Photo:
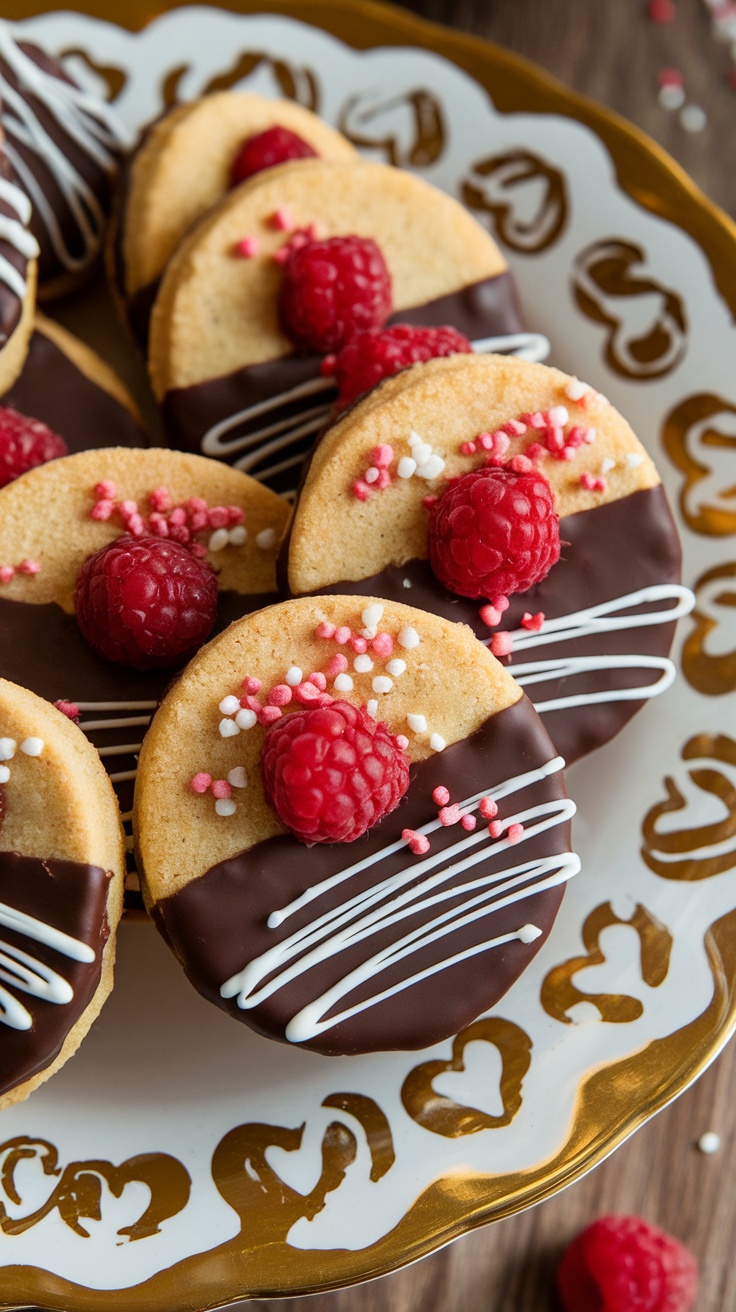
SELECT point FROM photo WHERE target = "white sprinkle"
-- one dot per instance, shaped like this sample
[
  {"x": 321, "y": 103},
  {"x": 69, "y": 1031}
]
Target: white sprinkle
[
  {"x": 396, "y": 667},
  {"x": 590, "y": 435},
  {"x": 229, "y": 705},
  {"x": 238, "y": 535},
  {"x": 4, "y": 774},
  {"x": 693, "y": 118},
  {"x": 671, "y": 96},
  {"x": 293, "y": 676},
  {"x": 414, "y": 438},
  {"x": 709, "y": 1142},
  {"x": 437, "y": 742},
  {"x": 372, "y": 615},
  {"x": 32, "y": 746},
  {"x": 634, "y": 459},
  {"x": 559, "y": 414},
  {"x": 431, "y": 468},
  {"x": 382, "y": 684},
  {"x": 371, "y": 474},
  {"x": 8, "y": 748},
  {"x": 362, "y": 664},
  {"x": 343, "y": 683},
  {"x": 421, "y": 451},
  {"x": 266, "y": 538},
  {"x": 225, "y": 806},
  {"x": 607, "y": 465},
  {"x": 245, "y": 719},
  {"x": 528, "y": 933},
  {"x": 576, "y": 389},
  {"x": 218, "y": 540},
  {"x": 406, "y": 467},
  {"x": 372, "y": 708},
  {"x": 417, "y": 723},
  {"x": 228, "y": 728},
  {"x": 402, "y": 741},
  {"x": 237, "y": 777},
  {"x": 406, "y": 583},
  {"x": 408, "y": 638}
]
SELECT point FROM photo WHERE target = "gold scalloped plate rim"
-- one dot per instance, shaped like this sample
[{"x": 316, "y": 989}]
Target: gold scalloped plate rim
[{"x": 661, "y": 1070}]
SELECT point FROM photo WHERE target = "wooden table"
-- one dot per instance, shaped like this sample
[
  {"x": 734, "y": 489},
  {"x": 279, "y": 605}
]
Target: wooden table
[{"x": 608, "y": 49}]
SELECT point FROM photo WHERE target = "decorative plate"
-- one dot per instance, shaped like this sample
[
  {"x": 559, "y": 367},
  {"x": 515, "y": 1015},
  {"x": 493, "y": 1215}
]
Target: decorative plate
[{"x": 181, "y": 1162}]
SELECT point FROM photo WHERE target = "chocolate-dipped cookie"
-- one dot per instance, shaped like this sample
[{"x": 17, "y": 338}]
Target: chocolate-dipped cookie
[
  {"x": 227, "y": 375},
  {"x": 62, "y": 862},
  {"x": 18, "y": 269},
  {"x": 65, "y": 145},
  {"x": 297, "y": 891},
  {"x": 590, "y": 641},
  {"x": 161, "y": 195}
]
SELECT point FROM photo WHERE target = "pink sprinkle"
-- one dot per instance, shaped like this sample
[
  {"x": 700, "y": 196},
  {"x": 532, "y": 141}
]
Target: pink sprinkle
[
  {"x": 361, "y": 489},
  {"x": 501, "y": 643},
  {"x": 490, "y": 615},
  {"x": 661, "y": 11},
  {"x": 488, "y": 808},
  {"x": 128, "y": 508},
  {"x": 103, "y": 510},
  {"x": 325, "y": 630},
  {"x": 670, "y": 77},
  {"x": 449, "y": 815},
  {"x": 250, "y": 702},
  {"x": 198, "y": 549},
  {"x": 6, "y": 573},
  {"x": 180, "y": 533},
  {"x": 514, "y": 428},
  {"x": 306, "y": 693},
  {"x": 252, "y": 685},
  {"x": 197, "y": 520},
  {"x": 501, "y": 603},
  {"x": 383, "y": 645},
  {"x": 592, "y": 484},
  {"x": 201, "y": 782},
  {"x": 319, "y": 680},
  {"x": 536, "y": 451},
  {"x": 178, "y": 517},
  {"x": 538, "y": 420},
  {"x": 158, "y": 524},
  {"x": 29, "y": 567},
  {"x": 402, "y": 741},
  {"x": 220, "y": 787},
  {"x": 469, "y": 822},
  {"x": 382, "y": 455},
  {"x": 234, "y": 516},
  {"x": 358, "y": 644},
  {"x": 532, "y": 622},
  {"x": 384, "y": 480},
  {"x": 281, "y": 255},
  {"x": 69, "y": 709},
  {"x": 324, "y": 699},
  {"x": 567, "y": 453},
  {"x": 218, "y": 517},
  {"x": 468, "y": 448},
  {"x": 521, "y": 464},
  {"x": 441, "y": 795},
  {"x": 485, "y": 440},
  {"x": 137, "y": 527},
  {"x": 495, "y": 828},
  {"x": 342, "y": 635},
  {"x": 337, "y": 665},
  {"x": 247, "y": 247},
  {"x": 283, "y": 220},
  {"x": 194, "y": 504},
  {"x": 281, "y": 695},
  {"x": 501, "y": 444},
  {"x": 160, "y": 499},
  {"x": 105, "y": 490},
  {"x": 575, "y": 436},
  {"x": 429, "y": 501},
  {"x": 515, "y": 833},
  {"x": 554, "y": 438},
  {"x": 269, "y": 714},
  {"x": 419, "y": 843}
]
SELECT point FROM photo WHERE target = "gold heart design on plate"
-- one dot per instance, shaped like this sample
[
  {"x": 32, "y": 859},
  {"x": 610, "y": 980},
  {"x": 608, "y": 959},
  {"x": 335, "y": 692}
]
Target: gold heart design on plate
[
  {"x": 688, "y": 853},
  {"x": 526, "y": 198},
  {"x": 694, "y": 435},
  {"x": 408, "y": 129}
]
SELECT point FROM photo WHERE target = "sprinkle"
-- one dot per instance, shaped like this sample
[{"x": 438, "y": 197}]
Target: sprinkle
[
  {"x": 358, "y": 644},
  {"x": 32, "y": 746},
  {"x": 514, "y": 428},
  {"x": 576, "y": 390},
  {"x": 217, "y": 517},
  {"x": 106, "y": 489},
  {"x": 362, "y": 664},
  {"x": 198, "y": 550},
  {"x": 449, "y": 815},
  {"x": 318, "y": 679},
  {"x": 501, "y": 603},
  {"x": 414, "y": 439},
  {"x": 396, "y": 667},
  {"x": 591, "y": 483},
  {"x": 371, "y": 475},
  {"x": 406, "y": 467},
  {"x": 693, "y": 118},
  {"x": 709, "y": 1142},
  {"x": 228, "y": 728},
  {"x": 324, "y": 699},
  {"x": 372, "y": 707},
  {"x": 200, "y": 782},
  {"x": 431, "y": 468},
  {"x": 245, "y": 719},
  {"x": 269, "y": 715},
  {"x": 306, "y": 693},
  {"x": 634, "y": 459},
  {"x": 337, "y": 665},
  {"x": 515, "y": 833},
  {"x": 247, "y": 247},
  {"x": 559, "y": 414},
  {"x": 343, "y": 683},
  {"x": 661, "y": 11},
  {"x": 383, "y": 645},
  {"x": 282, "y": 254},
  {"x": 4, "y": 774},
  {"x": 382, "y": 684},
  {"x": 29, "y": 567},
  {"x": 252, "y": 685},
  {"x": 372, "y": 616},
  {"x": 265, "y": 539},
  {"x": 532, "y": 622},
  {"x": 528, "y": 933},
  {"x": 419, "y": 843},
  {"x": 520, "y": 464},
  {"x": 535, "y": 451},
  {"x": 361, "y": 489},
  {"x": 237, "y": 777},
  {"x": 283, "y": 219},
  {"x": 252, "y": 703},
  {"x": 417, "y": 723},
  {"x": 468, "y": 448},
  {"x": 221, "y": 788},
  {"x": 441, "y": 795},
  {"x": 402, "y": 741},
  {"x": 488, "y": 808},
  {"x": 428, "y": 502},
  {"x": 8, "y": 748},
  {"x": 325, "y": 629},
  {"x": 421, "y": 451},
  {"x": 229, "y": 705},
  {"x": 670, "y": 77},
  {"x": 408, "y": 638},
  {"x": 468, "y": 823},
  {"x": 437, "y": 742},
  {"x": 384, "y": 480},
  {"x": 238, "y": 535},
  {"x": 280, "y": 695},
  {"x": 671, "y": 96},
  {"x": 490, "y": 615},
  {"x": 69, "y": 709},
  {"x": 225, "y": 806},
  {"x": 293, "y": 676},
  {"x": 495, "y": 828},
  {"x": 6, "y": 573},
  {"x": 342, "y": 635},
  {"x": 382, "y": 455},
  {"x": 502, "y": 643},
  {"x": 607, "y": 465},
  {"x": 102, "y": 510}
]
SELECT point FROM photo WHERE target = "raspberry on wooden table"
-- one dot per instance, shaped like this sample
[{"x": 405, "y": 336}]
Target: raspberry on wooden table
[
  {"x": 266, "y": 149},
  {"x": 372, "y": 356},
  {"x": 333, "y": 772},
  {"x": 494, "y": 532},
  {"x": 145, "y": 602},
  {"x": 333, "y": 289},
  {"x": 25, "y": 443},
  {"x": 623, "y": 1264}
]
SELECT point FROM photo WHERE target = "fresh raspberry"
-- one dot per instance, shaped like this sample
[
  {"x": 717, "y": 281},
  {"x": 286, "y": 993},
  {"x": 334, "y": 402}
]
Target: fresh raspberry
[
  {"x": 494, "y": 531},
  {"x": 623, "y": 1264},
  {"x": 25, "y": 443},
  {"x": 145, "y": 602},
  {"x": 371, "y": 356},
  {"x": 333, "y": 289},
  {"x": 274, "y": 146},
  {"x": 331, "y": 773}
]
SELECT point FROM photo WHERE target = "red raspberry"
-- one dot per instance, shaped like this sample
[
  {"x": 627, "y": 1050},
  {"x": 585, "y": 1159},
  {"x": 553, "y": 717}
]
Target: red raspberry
[
  {"x": 623, "y": 1264},
  {"x": 494, "y": 532},
  {"x": 145, "y": 602},
  {"x": 331, "y": 773},
  {"x": 274, "y": 146},
  {"x": 370, "y": 357},
  {"x": 332, "y": 290},
  {"x": 25, "y": 443}
]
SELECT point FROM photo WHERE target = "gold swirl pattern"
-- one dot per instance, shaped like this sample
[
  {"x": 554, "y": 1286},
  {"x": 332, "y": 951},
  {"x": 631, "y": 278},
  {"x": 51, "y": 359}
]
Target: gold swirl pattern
[
  {"x": 712, "y": 673},
  {"x": 113, "y": 77},
  {"x": 293, "y": 83},
  {"x": 78, "y": 1194},
  {"x": 694, "y": 434},
  {"x": 526, "y": 198},
  {"x": 695, "y": 852},
  {"x": 442, "y": 1115},
  {"x": 559, "y": 993},
  {"x": 640, "y": 344},
  {"x": 408, "y": 129}
]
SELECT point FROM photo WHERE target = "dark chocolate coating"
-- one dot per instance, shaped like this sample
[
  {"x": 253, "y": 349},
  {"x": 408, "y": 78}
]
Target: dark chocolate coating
[
  {"x": 71, "y": 897},
  {"x": 217, "y": 923}
]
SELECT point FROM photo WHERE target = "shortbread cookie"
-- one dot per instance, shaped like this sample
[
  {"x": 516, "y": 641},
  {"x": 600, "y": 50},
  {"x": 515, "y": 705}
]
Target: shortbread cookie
[
  {"x": 65, "y": 145},
  {"x": 62, "y": 861},
  {"x": 161, "y": 195},
  {"x": 245, "y": 825},
  {"x": 606, "y": 608},
  {"x": 217, "y": 347},
  {"x": 18, "y": 268}
]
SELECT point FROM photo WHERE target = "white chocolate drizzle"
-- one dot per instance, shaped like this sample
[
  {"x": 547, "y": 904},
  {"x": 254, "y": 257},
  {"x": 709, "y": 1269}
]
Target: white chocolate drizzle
[
  {"x": 15, "y": 233},
  {"x": 28, "y": 975},
  {"x": 418, "y": 887}
]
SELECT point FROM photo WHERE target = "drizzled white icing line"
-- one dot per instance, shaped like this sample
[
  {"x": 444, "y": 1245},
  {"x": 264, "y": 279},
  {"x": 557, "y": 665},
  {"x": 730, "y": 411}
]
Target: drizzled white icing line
[
  {"x": 15, "y": 232},
  {"x": 340, "y": 929},
  {"x": 29, "y": 975},
  {"x": 129, "y": 721},
  {"x": 601, "y": 618}
]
